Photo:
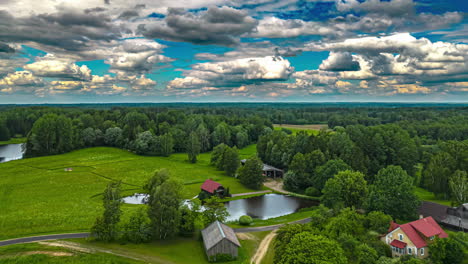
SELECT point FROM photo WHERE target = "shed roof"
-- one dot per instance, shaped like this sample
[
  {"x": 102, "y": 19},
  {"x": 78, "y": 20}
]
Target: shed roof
[
  {"x": 210, "y": 186},
  {"x": 216, "y": 232}
]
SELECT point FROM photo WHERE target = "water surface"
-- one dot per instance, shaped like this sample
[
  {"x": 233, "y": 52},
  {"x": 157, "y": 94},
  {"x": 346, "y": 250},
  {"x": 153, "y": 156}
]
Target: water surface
[
  {"x": 266, "y": 206},
  {"x": 11, "y": 152}
]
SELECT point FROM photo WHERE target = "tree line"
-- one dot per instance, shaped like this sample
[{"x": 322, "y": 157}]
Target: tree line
[{"x": 144, "y": 131}]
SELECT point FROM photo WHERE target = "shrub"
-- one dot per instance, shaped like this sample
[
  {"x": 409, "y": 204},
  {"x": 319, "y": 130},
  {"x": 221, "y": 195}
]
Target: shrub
[
  {"x": 245, "y": 220},
  {"x": 312, "y": 191}
]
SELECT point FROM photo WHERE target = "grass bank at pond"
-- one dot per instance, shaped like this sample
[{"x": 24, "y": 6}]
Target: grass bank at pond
[
  {"x": 426, "y": 195},
  {"x": 13, "y": 141},
  {"x": 301, "y": 214},
  {"x": 39, "y": 197}
]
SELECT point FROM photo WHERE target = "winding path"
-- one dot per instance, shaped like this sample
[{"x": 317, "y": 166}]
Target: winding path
[{"x": 85, "y": 235}]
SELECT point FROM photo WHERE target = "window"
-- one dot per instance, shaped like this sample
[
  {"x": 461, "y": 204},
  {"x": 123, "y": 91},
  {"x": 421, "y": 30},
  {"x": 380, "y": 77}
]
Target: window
[
  {"x": 422, "y": 251},
  {"x": 400, "y": 237},
  {"x": 409, "y": 251}
]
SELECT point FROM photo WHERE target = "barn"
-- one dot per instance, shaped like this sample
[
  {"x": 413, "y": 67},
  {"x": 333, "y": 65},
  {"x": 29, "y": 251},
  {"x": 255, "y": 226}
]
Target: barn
[
  {"x": 213, "y": 188},
  {"x": 220, "y": 240}
]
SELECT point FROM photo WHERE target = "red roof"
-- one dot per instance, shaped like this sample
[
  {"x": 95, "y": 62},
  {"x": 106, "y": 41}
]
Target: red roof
[
  {"x": 398, "y": 243},
  {"x": 210, "y": 186},
  {"x": 417, "y": 230}
]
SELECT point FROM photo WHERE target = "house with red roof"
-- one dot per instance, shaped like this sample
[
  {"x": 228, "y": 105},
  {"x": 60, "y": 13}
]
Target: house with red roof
[
  {"x": 212, "y": 188},
  {"x": 413, "y": 238}
]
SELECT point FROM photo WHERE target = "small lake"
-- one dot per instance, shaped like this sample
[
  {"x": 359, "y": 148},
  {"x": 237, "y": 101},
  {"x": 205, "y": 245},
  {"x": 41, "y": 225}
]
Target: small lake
[
  {"x": 266, "y": 206},
  {"x": 11, "y": 152},
  {"x": 261, "y": 207}
]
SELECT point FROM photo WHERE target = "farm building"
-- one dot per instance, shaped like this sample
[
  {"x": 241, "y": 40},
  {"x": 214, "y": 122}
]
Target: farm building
[
  {"x": 213, "y": 188},
  {"x": 269, "y": 171},
  {"x": 451, "y": 217},
  {"x": 220, "y": 239},
  {"x": 413, "y": 238}
]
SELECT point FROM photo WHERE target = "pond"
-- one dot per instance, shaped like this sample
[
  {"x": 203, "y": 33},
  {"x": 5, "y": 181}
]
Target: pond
[
  {"x": 137, "y": 198},
  {"x": 261, "y": 207},
  {"x": 11, "y": 152},
  {"x": 266, "y": 206}
]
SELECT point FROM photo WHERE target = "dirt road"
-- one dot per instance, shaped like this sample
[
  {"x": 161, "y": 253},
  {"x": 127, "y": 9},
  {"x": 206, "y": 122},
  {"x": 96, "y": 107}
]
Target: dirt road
[{"x": 263, "y": 248}]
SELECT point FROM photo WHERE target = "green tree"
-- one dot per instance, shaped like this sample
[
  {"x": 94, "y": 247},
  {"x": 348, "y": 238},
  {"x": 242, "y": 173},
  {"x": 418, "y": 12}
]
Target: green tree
[
  {"x": 192, "y": 218},
  {"x": 217, "y": 156},
  {"x": 166, "y": 145},
  {"x": 438, "y": 172},
  {"x": 158, "y": 178},
  {"x": 459, "y": 187},
  {"x": 231, "y": 161},
  {"x": 446, "y": 251},
  {"x": 145, "y": 143},
  {"x": 203, "y": 137},
  {"x": 327, "y": 171},
  {"x": 193, "y": 147},
  {"x": 347, "y": 222},
  {"x": 113, "y": 137},
  {"x": 50, "y": 134},
  {"x": 222, "y": 134},
  {"x": 4, "y": 131},
  {"x": 307, "y": 248},
  {"x": 285, "y": 234},
  {"x": 378, "y": 221},
  {"x": 242, "y": 139},
  {"x": 164, "y": 209},
  {"x": 366, "y": 254},
  {"x": 346, "y": 189},
  {"x": 105, "y": 227},
  {"x": 214, "y": 210},
  {"x": 251, "y": 173},
  {"x": 137, "y": 229},
  {"x": 393, "y": 194}
]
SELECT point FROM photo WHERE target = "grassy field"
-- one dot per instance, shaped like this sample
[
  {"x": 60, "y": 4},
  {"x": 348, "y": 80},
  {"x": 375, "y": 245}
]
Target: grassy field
[
  {"x": 426, "y": 195},
  {"x": 13, "y": 141},
  {"x": 35, "y": 253},
  {"x": 312, "y": 129},
  {"x": 39, "y": 197}
]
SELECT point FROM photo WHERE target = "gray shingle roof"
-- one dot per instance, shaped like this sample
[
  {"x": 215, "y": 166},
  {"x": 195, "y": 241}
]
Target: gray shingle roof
[{"x": 216, "y": 232}]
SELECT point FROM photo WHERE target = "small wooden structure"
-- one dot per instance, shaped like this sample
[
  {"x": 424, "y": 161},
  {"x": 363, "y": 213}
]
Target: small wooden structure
[
  {"x": 213, "y": 188},
  {"x": 268, "y": 170},
  {"x": 220, "y": 239}
]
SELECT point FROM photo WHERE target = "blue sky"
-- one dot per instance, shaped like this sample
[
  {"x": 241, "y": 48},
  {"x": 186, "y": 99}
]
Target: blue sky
[{"x": 67, "y": 51}]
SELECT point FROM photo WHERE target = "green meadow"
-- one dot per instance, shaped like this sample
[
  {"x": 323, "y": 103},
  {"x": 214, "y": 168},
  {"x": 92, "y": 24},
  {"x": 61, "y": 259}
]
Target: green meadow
[
  {"x": 37, "y": 195},
  {"x": 13, "y": 141}
]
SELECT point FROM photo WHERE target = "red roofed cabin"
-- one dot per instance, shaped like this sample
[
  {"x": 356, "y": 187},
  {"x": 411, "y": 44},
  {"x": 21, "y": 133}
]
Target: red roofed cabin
[
  {"x": 412, "y": 238},
  {"x": 212, "y": 188}
]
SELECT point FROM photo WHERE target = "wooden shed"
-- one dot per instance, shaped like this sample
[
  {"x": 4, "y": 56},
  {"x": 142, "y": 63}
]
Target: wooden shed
[
  {"x": 268, "y": 170},
  {"x": 220, "y": 239}
]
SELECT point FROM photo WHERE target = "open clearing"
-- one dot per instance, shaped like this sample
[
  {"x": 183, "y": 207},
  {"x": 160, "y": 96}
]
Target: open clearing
[{"x": 39, "y": 197}]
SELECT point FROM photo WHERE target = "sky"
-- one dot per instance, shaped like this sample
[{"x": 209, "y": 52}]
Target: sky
[{"x": 92, "y": 51}]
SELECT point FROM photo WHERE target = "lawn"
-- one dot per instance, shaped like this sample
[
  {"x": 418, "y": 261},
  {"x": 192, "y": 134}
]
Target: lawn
[
  {"x": 39, "y": 197},
  {"x": 13, "y": 141},
  {"x": 426, "y": 195}
]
